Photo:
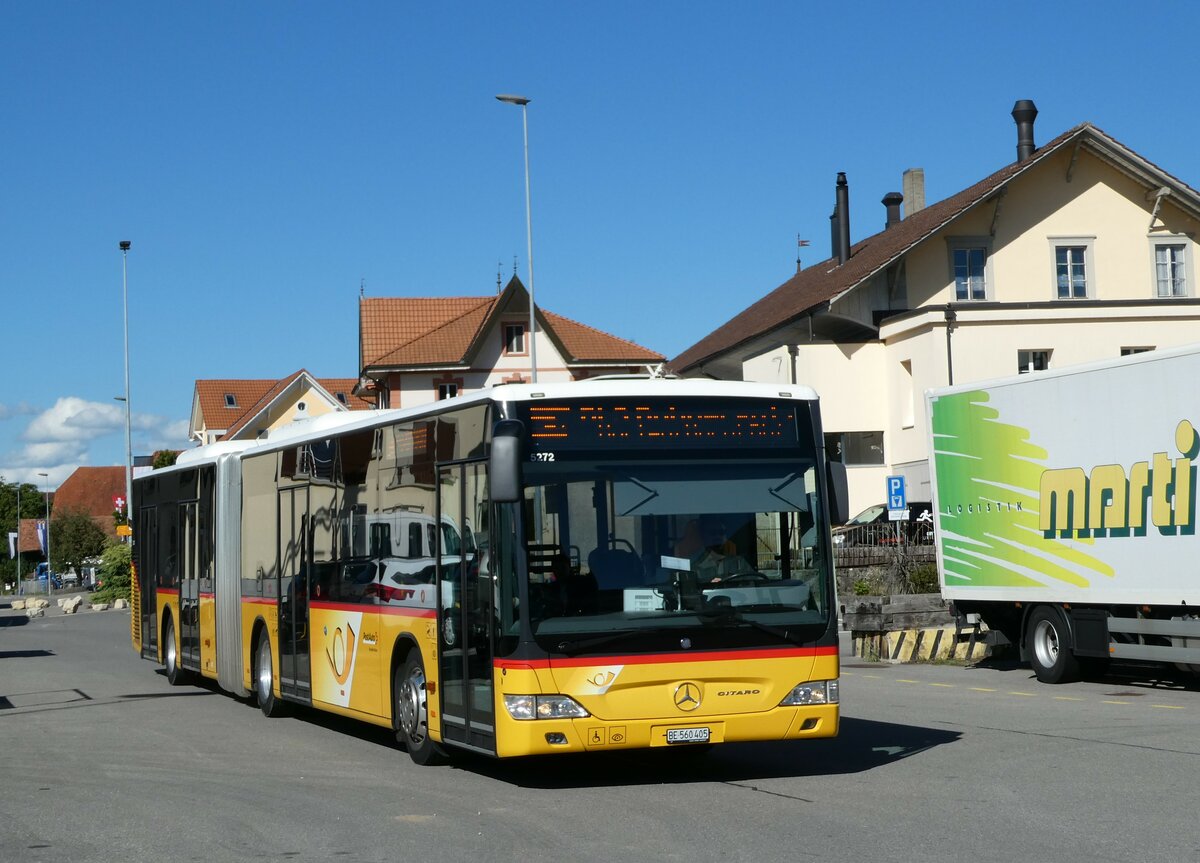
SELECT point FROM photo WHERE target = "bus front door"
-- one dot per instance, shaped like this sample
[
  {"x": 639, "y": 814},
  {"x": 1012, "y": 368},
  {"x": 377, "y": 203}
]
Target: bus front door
[
  {"x": 295, "y": 552},
  {"x": 465, "y": 609}
]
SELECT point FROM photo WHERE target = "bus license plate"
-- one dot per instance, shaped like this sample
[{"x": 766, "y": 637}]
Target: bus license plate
[{"x": 687, "y": 735}]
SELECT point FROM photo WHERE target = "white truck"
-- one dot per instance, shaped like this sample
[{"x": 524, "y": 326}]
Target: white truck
[{"x": 1066, "y": 509}]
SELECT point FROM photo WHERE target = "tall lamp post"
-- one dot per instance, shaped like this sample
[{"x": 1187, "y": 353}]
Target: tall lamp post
[
  {"x": 125, "y": 244},
  {"x": 49, "y": 573},
  {"x": 18, "y": 536},
  {"x": 524, "y": 102}
]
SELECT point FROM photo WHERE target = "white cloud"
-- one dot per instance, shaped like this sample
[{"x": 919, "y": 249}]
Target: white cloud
[
  {"x": 20, "y": 409},
  {"x": 75, "y": 419}
]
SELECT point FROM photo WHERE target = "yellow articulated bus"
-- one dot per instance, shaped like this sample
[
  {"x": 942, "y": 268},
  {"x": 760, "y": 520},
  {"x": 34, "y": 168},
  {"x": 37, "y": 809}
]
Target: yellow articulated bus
[{"x": 590, "y": 566}]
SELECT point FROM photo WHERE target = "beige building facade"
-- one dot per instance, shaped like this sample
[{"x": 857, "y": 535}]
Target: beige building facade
[{"x": 1081, "y": 250}]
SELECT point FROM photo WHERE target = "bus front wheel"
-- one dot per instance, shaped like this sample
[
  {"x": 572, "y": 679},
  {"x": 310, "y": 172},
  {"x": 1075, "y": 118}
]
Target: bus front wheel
[{"x": 410, "y": 694}]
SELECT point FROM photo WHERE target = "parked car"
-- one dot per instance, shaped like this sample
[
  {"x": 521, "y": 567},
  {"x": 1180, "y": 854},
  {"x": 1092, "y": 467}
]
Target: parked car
[{"x": 873, "y": 527}]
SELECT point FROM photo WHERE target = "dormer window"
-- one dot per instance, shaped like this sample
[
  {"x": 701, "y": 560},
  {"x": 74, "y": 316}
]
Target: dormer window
[
  {"x": 514, "y": 339},
  {"x": 230, "y": 400},
  {"x": 341, "y": 397}
]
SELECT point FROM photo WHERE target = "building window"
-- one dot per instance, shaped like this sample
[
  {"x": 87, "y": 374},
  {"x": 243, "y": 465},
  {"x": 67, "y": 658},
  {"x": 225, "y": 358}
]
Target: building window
[
  {"x": 1128, "y": 352},
  {"x": 1170, "y": 269},
  {"x": 1074, "y": 276},
  {"x": 230, "y": 400},
  {"x": 514, "y": 338},
  {"x": 341, "y": 397},
  {"x": 970, "y": 267},
  {"x": 1032, "y": 361},
  {"x": 855, "y": 448},
  {"x": 447, "y": 391},
  {"x": 968, "y": 274}
]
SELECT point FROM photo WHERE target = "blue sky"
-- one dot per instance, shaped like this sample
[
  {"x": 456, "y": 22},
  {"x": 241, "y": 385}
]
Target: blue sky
[{"x": 269, "y": 159}]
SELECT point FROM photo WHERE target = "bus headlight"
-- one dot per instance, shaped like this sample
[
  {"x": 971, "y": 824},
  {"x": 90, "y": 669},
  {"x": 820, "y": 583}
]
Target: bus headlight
[
  {"x": 814, "y": 692},
  {"x": 543, "y": 707}
]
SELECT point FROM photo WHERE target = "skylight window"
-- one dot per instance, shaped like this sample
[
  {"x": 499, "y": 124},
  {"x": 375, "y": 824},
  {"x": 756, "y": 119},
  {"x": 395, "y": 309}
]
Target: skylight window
[{"x": 230, "y": 400}]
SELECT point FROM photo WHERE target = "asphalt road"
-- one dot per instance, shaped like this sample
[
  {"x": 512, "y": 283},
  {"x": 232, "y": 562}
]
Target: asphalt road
[{"x": 102, "y": 760}]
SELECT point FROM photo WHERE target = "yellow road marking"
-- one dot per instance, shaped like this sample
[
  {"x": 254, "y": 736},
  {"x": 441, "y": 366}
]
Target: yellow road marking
[
  {"x": 1114, "y": 702},
  {"x": 944, "y": 685},
  {"x": 981, "y": 689},
  {"x": 1066, "y": 698},
  {"x": 1168, "y": 706},
  {"x": 1024, "y": 694}
]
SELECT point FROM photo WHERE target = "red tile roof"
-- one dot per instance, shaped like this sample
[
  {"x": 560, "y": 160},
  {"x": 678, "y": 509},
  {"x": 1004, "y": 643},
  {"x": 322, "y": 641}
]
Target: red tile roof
[
  {"x": 407, "y": 332},
  {"x": 251, "y": 396},
  {"x": 91, "y": 490}
]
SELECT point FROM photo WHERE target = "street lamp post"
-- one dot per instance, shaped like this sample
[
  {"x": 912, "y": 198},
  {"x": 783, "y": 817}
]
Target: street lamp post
[
  {"x": 524, "y": 102},
  {"x": 18, "y": 536},
  {"x": 49, "y": 572},
  {"x": 125, "y": 244}
]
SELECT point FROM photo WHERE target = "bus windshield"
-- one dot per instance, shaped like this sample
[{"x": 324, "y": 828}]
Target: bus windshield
[{"x": 662, "y": 554}]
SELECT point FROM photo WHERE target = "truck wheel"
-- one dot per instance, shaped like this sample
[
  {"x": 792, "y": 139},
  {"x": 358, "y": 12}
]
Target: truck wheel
[
  {"x": 1047, "y": 643},
  {"x": 411, "y": 700},
  {"x": 175, "y": 674}
]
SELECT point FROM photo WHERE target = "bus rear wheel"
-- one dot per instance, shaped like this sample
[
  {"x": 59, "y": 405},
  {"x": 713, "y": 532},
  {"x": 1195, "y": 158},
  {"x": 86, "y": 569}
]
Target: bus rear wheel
[
  {"x": 410, "y": 694},
  {"x": 264, "y": 679},
  {"x": 1049, "y": 649},
  {"x": 175, "y": 674}
]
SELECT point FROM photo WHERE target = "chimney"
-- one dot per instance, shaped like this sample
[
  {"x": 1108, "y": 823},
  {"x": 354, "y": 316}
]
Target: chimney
[
  {"x": 914, "y": 191},
  {"x": 833, "y": 233},
  {"x": 892, "y": 200},
  {"x": 1024, "y": 112},
  {"x": 843, "y": 218}
]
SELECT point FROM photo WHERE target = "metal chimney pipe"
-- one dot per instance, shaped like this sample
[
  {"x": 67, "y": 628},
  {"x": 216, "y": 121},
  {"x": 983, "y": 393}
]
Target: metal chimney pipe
[
  {"x": 892, "y": 200},
  {"x": 843, "y": 218},
  {"x": 1024, "y": 113},
  {"x": 833, "y": 233}
]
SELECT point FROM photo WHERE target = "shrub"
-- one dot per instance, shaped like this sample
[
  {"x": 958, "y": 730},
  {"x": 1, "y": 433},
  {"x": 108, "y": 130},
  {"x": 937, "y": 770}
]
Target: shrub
[
  {"x": 924, "y": 579},
  {"x": 114, "y": 573}
]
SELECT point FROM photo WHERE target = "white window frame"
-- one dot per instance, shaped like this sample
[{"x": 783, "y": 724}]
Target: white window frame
[
  {"x": 510, "y": 325},
  {"x": 1189, "y": 279},
  {"x": 956, "y": 244},
  {"x": 1023, "y": 367},
  {"x": 1089, "y": 266},
  {"x": 444, "y": 388}
]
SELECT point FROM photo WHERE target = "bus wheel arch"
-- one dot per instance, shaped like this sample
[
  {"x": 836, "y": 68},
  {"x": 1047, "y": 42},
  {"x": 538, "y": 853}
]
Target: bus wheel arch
[{"x": 410, "y": 704}]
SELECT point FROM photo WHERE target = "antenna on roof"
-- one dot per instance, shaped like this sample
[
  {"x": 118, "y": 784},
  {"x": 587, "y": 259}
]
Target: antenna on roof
[
  {"x": 362, "y": 288},
  {"x": 499, "y": 268},
  {"x": 800, "y": 244},
  {"x": 514, "y": 266}
]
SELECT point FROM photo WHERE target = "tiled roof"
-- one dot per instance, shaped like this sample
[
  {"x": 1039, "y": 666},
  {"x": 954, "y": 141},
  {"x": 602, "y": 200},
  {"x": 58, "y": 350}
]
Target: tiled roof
[
  {"x": 827, "y": 280},
  {"x": 249, "y": 394},
  {"x": 91, "y": 490},
  {"x": 28, "y": 538},
  {"x": 406, "y": 332},
  {"x": 583, "y": 343}
]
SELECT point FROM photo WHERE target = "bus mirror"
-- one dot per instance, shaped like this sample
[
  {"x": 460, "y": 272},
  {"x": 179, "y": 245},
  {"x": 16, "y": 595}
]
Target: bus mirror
[
  {"x": 839, "y": 493},
  {"x": 504, "y": 463}
]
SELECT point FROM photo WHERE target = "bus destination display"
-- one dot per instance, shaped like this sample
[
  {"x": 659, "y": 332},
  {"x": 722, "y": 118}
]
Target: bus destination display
[{"x": 650, "y": 424}]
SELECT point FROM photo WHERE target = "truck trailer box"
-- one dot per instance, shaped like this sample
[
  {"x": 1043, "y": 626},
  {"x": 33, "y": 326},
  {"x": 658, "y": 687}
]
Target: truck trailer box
[{"x": 1065, "y": 507}]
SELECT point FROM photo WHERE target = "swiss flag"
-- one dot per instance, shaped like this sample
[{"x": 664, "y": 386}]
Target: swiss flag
[{"x": 119, "y": 502}]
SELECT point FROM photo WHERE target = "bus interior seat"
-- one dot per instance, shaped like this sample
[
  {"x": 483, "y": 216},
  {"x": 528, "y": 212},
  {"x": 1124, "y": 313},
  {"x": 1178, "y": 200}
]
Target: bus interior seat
[{"x": 616, "y": 568}]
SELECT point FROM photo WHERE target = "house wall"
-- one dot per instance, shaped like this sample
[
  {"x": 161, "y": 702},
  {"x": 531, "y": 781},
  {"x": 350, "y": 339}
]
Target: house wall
[
  {"x": 881, "y": 385},
  {"x": 1100, "y": 203}
]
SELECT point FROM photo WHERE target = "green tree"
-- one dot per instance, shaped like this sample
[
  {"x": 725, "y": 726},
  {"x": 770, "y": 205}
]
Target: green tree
[
  {"x": 164, "y": 458},
  {"x": 115, "y": 578},
  {"x": 33, "y": 505},
  {"x": 74, "y": 537}
]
